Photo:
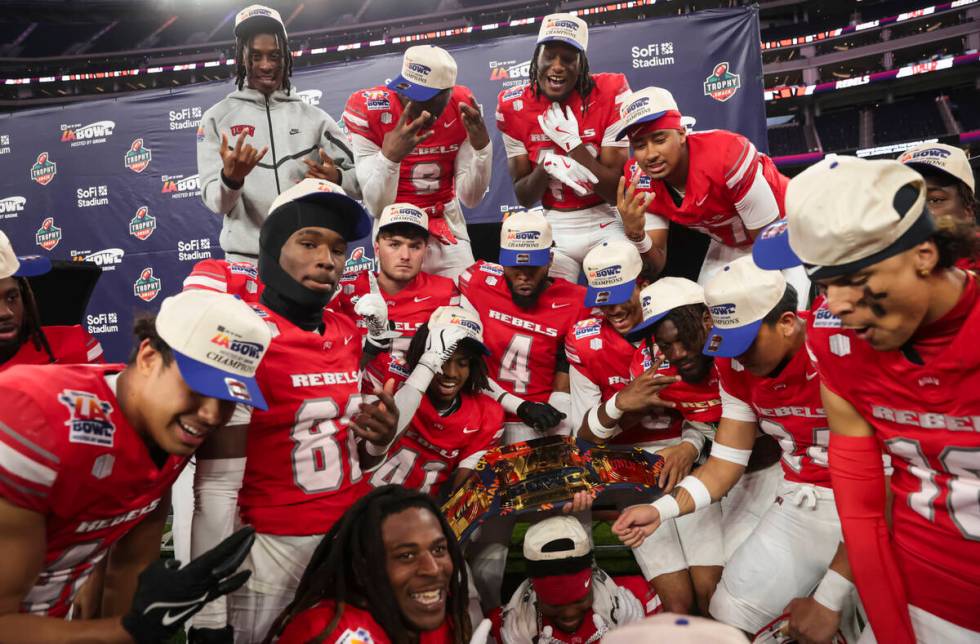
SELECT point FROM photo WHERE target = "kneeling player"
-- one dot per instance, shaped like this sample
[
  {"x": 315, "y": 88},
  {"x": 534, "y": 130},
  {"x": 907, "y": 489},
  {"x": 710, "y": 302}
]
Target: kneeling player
[
  {"x": 87, "y": 456},
  {"x": 452, "y": 421},
  {"x": 389, "y": 571}
]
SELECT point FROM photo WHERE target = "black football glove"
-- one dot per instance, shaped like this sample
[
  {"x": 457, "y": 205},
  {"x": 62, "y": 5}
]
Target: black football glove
[
  {"x": 168, "y": 595},
  {"x": 539, "y": 416},
  {"x": 224, "y": 635}
]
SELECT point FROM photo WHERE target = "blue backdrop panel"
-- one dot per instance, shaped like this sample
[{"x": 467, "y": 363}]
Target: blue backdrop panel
[{"x": 124, "y": 189}]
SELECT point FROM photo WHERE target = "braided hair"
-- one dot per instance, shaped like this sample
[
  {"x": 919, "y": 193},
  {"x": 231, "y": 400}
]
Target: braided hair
[
  {"x": 241, "y": 50},
  {"x": 347, "y": 567},
  {"x": 478, "y": 379},
  {"x": 31, "y": 329},
  {"x": 583, "y": 85}
]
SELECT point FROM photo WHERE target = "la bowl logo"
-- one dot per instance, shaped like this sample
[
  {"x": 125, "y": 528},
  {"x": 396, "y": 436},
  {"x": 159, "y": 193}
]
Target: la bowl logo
[
  {"x": 142, "y": 225},
  {"x": 11, "y": 206},
  {"x": 775, "y": 230},
  {"x": 48, "y": 235},
  {"x": 147, "y": 286},
  {"x": 90, "y": 418},
  {"x": 723, "y": 310},
  {"x": 138, "y": 157},
  {"x": 93, "y": 132},
  {"x": 108, "y": 258},
  {"x": 638, "y": 104},
  {"x": 43, "y": 170},
  {"x": 420, "y": 69},
  {"x": 722, "y": 84},
  {"x": 605, "y": 273},
  {"x": 523, "y": 235},
  {"x": 562, "y": 24}
]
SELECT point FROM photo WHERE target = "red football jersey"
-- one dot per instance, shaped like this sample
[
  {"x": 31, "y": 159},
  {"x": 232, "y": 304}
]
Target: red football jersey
[
  {"x": 603, "y": 356},
  {"x": 697, "y": 402},
  {"x": 517, "y": 117},
  {"x": 927, "y": 417},
  {"x": 722, "y": 169},
  {"x": 523, "y": 343},
  {"x": 356, "y": 626},
  {"x": 302, "y": 470},
  {"x": 68, "y": 453},
  {"x": 234, "y": 278},
  {"x": 69, "y": 344},
  {"x": 434, "y": 446},
  {"x": 427, "y": 176},
  {"x": 788, "y": 408},
  {"x": 409, "y": 309}
]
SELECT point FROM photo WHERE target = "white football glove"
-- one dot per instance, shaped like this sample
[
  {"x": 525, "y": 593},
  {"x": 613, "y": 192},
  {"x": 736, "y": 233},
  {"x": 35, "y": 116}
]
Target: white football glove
[
  {"x": 570, "y": 172},
  {"x": 560, "y": 126},
  {"x": 373, "y": 308},
  {"x": 440, "y": 345}
]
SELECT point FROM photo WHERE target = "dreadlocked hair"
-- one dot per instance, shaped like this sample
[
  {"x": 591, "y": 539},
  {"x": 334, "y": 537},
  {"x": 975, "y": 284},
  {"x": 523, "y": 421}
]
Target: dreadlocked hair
[
  {"x": 689, "y": 320},
  {"x": 955, "y": 239},
  {"x": 478, "y": 378},
  {"x": 583, "y": 85},
  {"x": 348, "y": 567},
  {"x": 241, "y": 50},
  {"x": 31, "y": 329}
]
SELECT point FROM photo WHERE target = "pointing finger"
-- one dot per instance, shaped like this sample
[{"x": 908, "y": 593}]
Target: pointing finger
[{"x": 224, "y": 143}]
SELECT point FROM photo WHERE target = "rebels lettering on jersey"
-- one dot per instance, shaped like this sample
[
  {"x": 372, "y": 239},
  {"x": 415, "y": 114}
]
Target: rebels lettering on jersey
[
  {"x": 234, "y": 278},
  {"x": 433, "y": 447},
  {"x": 600, "y": 354},
  {"x": 409, "y": 309},
  {"x": 928, "y": 419},
  {"x": 788, "y": 408},
  {"x": 697, "y": 402},
  {"x": 302, "y": 471},
  {"x": 69, "y": 344},
  {"x": 427, "y": 175},
  {"x": 68, "y": 454},
  {"x": 523, "y": 343},
  {"x": 517, "y": 117},
  {"x": 722, "y": 169},
  {"x": 355, "y": 626}
]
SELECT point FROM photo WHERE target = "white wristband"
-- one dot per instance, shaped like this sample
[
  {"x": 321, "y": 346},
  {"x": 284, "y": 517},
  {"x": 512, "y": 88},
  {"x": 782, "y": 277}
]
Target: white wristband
[
  {"x": 599, "y": 430},
  {"x": 612, "y": 410},
  {"x": 730, "y": 454},
  {"x": 374, "y": 450},
  {"x": 697, "y": 490},
  {"x": 694, "y": 437},
  {"x": 833, "y": 590},
  {"x": 667, "y": 507},
  {"x": 644, "y": 245}
]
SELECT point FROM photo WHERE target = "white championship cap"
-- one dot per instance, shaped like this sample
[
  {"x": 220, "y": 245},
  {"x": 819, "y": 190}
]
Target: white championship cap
[
  {"x": 403, "y": 213},
  {"x": 218, "y": 342},
  {"x": 426, "y": 71},
  {"x": 676, "y": 629},
  {"x": 611, "y": 269},
  {"x": 662, "y": 297},
  {"x": 446, "y": 316},
  {"x": 738, "y": 297},
  {"x": 326, "y": 192},
  {"x": 257, "y": 16},
  {"x": 646, "y": 105},
  {"x": 948, "y": 159},
  {"x": 846, "y": 213},
  {"x": 24, "y": 266},
  {"x": 525, "y": 240},
  {"x": 540, "y": 537},
  {"x": 566, "y": 28}
]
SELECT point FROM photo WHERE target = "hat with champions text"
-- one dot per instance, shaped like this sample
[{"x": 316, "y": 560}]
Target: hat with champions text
[
  {"x": 739, "y": 296},
  {"x": 662, "y": 297},
  {"x": 426, "y": 71}
]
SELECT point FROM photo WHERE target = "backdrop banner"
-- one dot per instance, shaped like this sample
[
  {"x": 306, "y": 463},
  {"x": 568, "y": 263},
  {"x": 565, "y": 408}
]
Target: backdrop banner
[{"x": 115, "y": 182}]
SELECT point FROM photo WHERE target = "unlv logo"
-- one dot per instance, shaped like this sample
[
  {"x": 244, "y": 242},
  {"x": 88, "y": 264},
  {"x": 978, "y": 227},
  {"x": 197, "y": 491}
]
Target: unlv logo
[
  {"x": 89, "y": 418},
  {"x": 238, "y": 129}
]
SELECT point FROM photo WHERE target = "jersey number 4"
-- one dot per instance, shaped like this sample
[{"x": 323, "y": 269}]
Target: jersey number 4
[{"x": 514, "y": 363}]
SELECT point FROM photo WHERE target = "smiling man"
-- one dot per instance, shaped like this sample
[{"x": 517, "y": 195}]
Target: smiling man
[
  {"x": 87, "y": 456},
  {"x": 559, "y": 132},
  {"x": 262, "y": 138}
]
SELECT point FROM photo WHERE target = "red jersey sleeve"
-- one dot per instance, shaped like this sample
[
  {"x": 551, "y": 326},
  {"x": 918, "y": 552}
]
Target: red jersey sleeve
[
  {"x": 29, "y": 455},
  {"x": 73, "y": 345},
  {"x": 240, "y": 279},
  {"x": 357, "y": 116},
  {"x": 355, "y": 626},
  {"x": 508, "y": 121},
  {"x": 739, "y": 160},
  {"x": 490, "y": 434}
]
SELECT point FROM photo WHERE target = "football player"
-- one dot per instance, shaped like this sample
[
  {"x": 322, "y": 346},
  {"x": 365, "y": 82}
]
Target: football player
[
  {"x": 714, "y": 182},
  {"x": 454, "y": 423},
  {"x": 526, "y": 315},
  {"x": 299, "y": 466},
  {"x": 559, "y": 133},
  {"x": 409, "y": 294},
  {"x": 87, "y": 454},
  {"x": 389, "y": 571},
  {"x": 898, "y": 360},
  {"x": 22, "y": 338},
  {"x": 421, "y": 139}
]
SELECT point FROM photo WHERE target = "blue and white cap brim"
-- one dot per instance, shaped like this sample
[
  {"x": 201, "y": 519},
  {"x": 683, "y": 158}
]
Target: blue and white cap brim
[
  {"x": 640, "y": 331},
  {"x": 568, "y": 41},
  {"x": 609, "y": 295},
  {"x": 32, "y": 266},
  {"x": 209, "y": 381},
  {"x": 539, "y": 257},
  {"x": 732, "y": 342},
  {"x": 412, "y": 90},
  {"x": 645, "y": 119},
  {"x": 772, "y": 252}
]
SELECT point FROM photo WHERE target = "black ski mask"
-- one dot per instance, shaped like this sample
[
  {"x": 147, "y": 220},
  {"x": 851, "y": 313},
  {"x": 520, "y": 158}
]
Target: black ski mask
[{"x": 284, "y": 295}]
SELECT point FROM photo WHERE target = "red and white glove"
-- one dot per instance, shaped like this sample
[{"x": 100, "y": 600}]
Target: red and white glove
[
  {"x": 560, "y": 126},
  {"x": 439, "y": 228},
  {"x": 570, "y": 172}
]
